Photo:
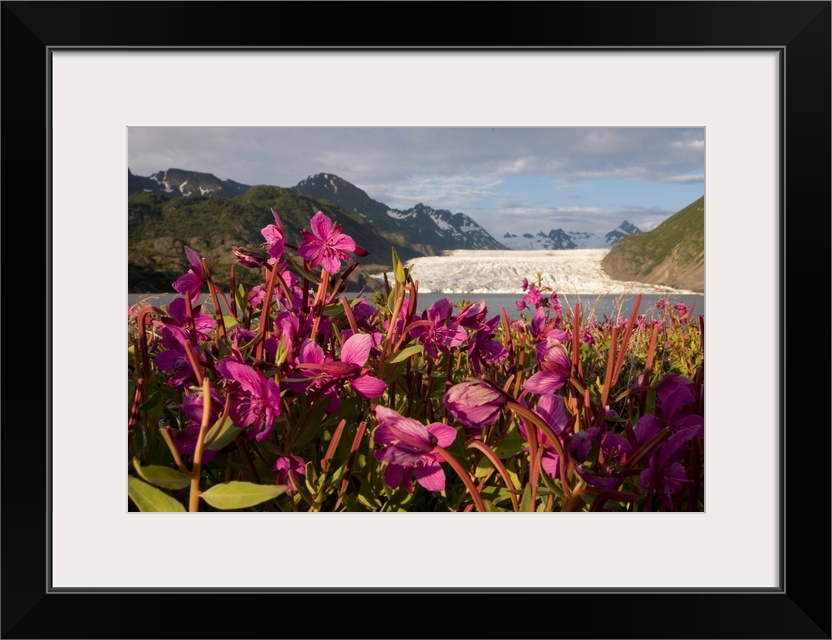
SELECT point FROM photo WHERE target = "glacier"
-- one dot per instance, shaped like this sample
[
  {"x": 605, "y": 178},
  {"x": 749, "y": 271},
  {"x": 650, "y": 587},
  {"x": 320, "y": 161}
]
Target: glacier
[{"x": 567, "y": 271}]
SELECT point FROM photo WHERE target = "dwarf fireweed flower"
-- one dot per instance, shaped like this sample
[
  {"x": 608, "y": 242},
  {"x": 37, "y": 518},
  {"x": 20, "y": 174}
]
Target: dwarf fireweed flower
[
  {"x": 256, "y": 295},
  {"x": 191, "y": 282},
  {"x": 555, "y": 368},
  {"x": 533, "y": 297},
  {"x": 325, "y": 244},
  {"x": 408, "y": 449},
  {"x": 248, "y": 258},
  {"x": 482, "y": 348},
  {"x": 330, "y": 374},
  {"x": 442, "y": 333},
  {"x": 186, "y": 439},
  {"x": 556, "y": 305},
  {"x": 178, "y": 317},
  {"x": 475, "y": 404},
  {"x": 551, "y": 410},
  {"x": 580, "y": 444},
  {"x": 472, "y": 314},
  {"x": 273, "y": 235},
  {"x": 283, "y": 465},
  {"x": 258, "y": 404},
  {"x": 174, "y": 359},
  {"x": 542, "y": 330},
  {"x": 676, "y": 410}
]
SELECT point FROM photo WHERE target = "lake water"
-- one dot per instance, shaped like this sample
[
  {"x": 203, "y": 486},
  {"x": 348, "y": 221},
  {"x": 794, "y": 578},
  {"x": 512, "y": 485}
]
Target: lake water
[{"x": 611, "y": 305}]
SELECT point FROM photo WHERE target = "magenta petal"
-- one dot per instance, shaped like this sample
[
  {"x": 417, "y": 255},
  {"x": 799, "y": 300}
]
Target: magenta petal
[
  {"x": 475, "y": 417},
  {"x": 277, "y": 222},
  {"x": 368, "y": 387},
  {"x": 551, "y": 409},
  {"x": 194, "y": 260},
  {"x": 311, "y": 353},
  {"x": 400, "y": 454},
  {"x": 168, "y": 360},
  {"x": 393, "y": 476},
  {"x": 431, "y": 477},
  {"x": 249, "y": 379},
  {"x": 406, "y": 430},
  {"x": 322, "y": 226},
  {"x": 310, "y": 248},
  {"x": 342, "y": 243},
  {"x": 550, "y": 463},
  {"x": 383, "y": 435},
  {"x": 188, "y": 283},
  {"x": 648, "y": 427},
  {"x": 271, "y": 234},
  {"x": 356, "y": 349},
  {"x": 445, "y": 434},
  {"x": 544, "y": 383},
  {"x": 330, "y": 263}
]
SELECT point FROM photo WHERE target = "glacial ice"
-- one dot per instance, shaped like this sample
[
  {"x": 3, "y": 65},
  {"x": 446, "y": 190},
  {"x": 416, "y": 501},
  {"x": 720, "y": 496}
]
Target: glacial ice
[{"x": 569, "y": 271}]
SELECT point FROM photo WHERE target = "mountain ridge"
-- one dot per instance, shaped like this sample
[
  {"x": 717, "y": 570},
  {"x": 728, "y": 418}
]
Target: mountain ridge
[{"x": 558, "y": 239}]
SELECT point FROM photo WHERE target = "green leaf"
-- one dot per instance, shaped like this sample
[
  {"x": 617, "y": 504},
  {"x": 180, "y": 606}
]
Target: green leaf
[
  {"x": 509, "y": 447},
  {"x": 367, "y": 496},
  {"x": 160, "y": 476},
  {"x": 526, "y": 502},
  {"x": 495, "y": 494},
  {"x": 240, "y": 297},
  {"x": 489, "y": 506},
  {"x": 229, "y": 321},
  {"x": 399, "y": 273},
  {"x": 405, "y": 353},
  {"x": 149, "y": 498},
  {"x": 334, "y": 310},
  {"x": 239, "y": 495},
  {"x": 484, "y": 467},
  {"x": 221, "y": 434}
]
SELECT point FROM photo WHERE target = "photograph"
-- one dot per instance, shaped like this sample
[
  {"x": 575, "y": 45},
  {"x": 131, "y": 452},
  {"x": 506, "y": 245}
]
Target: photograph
[
  {"x": 416, "y": 322},
  {"x": 423, "y": 319}
]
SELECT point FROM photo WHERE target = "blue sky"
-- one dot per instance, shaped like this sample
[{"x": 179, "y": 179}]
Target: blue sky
[{"x": 508, "y": 179}]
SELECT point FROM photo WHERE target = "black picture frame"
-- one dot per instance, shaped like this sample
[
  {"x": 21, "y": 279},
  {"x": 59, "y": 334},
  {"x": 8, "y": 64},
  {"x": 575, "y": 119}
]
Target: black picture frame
[{"x": 799, "y": 608}]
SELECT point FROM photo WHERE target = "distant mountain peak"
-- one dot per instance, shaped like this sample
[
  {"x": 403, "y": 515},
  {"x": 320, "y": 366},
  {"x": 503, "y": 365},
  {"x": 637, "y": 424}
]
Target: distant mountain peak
[
  {"x": 558, "y": 239},
  {"x": 435, "y": 230},
  {"x": 183, "y": 183}
]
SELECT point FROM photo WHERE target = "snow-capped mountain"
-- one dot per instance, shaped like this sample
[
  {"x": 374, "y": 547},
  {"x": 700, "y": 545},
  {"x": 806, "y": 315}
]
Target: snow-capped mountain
[
  {"x": 430, "y": 230},
  {"x": 183, "y": 183},
  {"x": 559, "y": 239}
]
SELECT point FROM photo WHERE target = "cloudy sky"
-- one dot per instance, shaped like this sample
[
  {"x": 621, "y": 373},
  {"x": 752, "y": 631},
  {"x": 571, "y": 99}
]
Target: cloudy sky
[{"x": 514, "y": 179}]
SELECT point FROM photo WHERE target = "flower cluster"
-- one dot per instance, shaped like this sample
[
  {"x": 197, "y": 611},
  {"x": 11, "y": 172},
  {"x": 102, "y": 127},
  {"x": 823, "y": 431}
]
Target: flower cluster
[{"x": 294, "y": 396}]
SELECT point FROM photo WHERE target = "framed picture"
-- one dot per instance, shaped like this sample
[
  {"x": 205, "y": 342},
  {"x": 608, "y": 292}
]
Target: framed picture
[{"x": 754, "y": 75}]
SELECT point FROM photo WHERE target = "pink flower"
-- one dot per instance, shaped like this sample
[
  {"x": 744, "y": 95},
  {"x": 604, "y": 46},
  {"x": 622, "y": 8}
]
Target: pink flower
[
  {"x": 273, "y": 235},
  {"x": 329, "y": 374},
  {"x": 191, "y": 282},
  {"x": 259, "y": 403},
  {"x": 325, "y": 244},
  {"x": 283, "y": 465},
  {"x": 555, "y": 368},
  {"x": 552, "y": 411},
  {"x": 475, "y": 404},
  {"x": 533, "y": 297},
  {"x": 442, "y": 333},
  {"x": 408, "y": 449}
]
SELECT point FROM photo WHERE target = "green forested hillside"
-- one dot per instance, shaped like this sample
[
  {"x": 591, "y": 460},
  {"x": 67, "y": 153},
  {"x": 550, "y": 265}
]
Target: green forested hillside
[
  {"x": 159, "y": 227},
  {"x": 672, "y": 254}
]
